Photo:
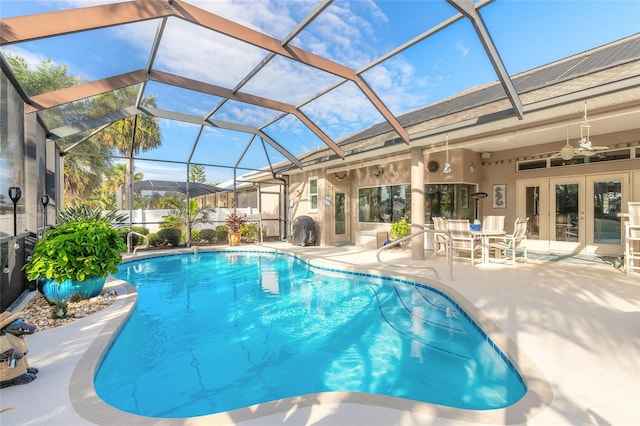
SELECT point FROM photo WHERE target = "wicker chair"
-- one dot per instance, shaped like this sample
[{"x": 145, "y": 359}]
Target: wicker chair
[
  {"x": 462, "y": 240},
  {"x": 514, "y": 242}
]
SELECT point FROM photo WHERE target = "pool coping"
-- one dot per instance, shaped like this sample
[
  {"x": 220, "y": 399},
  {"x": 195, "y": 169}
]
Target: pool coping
[{"x": 87, "y": 404}]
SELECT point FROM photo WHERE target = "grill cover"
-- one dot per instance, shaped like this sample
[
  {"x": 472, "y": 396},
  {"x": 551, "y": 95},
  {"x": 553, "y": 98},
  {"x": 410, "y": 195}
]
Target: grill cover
[{"x": 304, "y": 231}]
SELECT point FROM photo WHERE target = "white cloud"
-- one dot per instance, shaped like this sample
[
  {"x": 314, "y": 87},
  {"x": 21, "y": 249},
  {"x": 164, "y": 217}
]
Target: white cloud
[{"x": 462, "y": 48}]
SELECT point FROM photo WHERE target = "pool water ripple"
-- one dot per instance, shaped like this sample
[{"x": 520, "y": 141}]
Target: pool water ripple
[{"x": 214, "y": 332}]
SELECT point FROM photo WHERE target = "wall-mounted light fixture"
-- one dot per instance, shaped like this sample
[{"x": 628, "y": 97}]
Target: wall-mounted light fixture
[
  {"x": 378, "y": 171},
  {"x": 296, "y": 192},
  {"x": 485, "y": 155},
  {"x": 472, "y": 168}
]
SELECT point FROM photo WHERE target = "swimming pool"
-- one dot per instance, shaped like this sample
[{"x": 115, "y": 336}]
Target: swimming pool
[{"x": 213, "y": 332}]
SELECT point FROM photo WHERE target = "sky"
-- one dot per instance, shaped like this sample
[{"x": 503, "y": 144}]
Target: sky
[{"x": 527, "y": 34}]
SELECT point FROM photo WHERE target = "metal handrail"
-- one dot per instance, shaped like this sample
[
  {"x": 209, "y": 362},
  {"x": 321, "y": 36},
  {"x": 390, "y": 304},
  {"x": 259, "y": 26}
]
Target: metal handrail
[
  {"x": 129, "y": 241},
  {"x": 408, "y": 237}
]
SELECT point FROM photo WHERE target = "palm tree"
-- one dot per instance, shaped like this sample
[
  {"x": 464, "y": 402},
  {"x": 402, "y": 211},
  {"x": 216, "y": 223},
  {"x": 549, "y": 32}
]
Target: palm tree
[
  {"x": 196, "y": 173},
  {"x": 119, "y": 135},
  {"x": 82, "y": 174},
  {"x": 179, "y": 218}
]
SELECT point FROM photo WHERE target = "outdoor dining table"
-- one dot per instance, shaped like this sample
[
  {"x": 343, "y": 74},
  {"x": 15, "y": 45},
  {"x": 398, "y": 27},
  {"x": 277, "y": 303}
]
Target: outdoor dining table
[{"x": 485, "y": 234}]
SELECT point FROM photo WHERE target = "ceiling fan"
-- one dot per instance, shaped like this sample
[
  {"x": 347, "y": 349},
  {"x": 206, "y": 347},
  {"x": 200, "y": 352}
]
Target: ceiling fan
[{"x": 585, "y": 147}]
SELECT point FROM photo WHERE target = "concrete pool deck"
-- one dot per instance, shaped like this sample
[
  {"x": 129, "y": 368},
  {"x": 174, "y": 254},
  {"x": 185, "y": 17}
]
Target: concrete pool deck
[{"x": 572, "y": 329}]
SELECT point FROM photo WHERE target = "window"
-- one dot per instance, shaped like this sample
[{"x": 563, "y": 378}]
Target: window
[
  {"x": 384, "y": 204},
  {"x": 452, "y": 201},
  {"x": 532, "y": 165},
  {"x": 313, "y": 193}
]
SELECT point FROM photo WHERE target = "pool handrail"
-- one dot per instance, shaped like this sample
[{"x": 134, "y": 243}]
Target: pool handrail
[
  {"x": 130, "y": 242},
  {"x": 408, "y": 237}
]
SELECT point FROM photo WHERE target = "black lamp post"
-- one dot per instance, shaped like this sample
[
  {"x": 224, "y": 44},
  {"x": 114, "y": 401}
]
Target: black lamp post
[
  {"x": 45, "y": 201},
  {"x": 15, "y": 193},
  {"x": 477, "y": 196}
]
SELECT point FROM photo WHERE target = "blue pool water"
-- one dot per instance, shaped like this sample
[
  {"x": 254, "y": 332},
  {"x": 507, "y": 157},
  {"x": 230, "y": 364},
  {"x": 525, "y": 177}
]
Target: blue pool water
[{"x": 214, "y": 332}]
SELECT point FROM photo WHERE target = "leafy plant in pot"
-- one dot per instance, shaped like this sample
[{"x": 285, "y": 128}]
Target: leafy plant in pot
[
  {"x": 74, "y": 259},
  {"x": 234, "y": 222}
]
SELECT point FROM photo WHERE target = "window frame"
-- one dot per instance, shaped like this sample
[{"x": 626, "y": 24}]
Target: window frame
[{"x": 312, "y": 195}]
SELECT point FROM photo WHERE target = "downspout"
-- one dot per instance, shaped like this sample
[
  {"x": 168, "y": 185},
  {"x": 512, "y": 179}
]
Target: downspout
[{"x": 283, "y": 206}]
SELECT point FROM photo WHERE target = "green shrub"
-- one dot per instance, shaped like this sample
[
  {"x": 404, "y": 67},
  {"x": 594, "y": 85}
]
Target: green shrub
[
  {"x": 400, "y": 229},
  {"x": 195, "y": 235},
  {"x": 170, "y": 235},
  {"x": 84, "y": 212},
  {"x": 208, "y": 235},
  {"x": 135, "y": 239},
  {"x": 249, "y": 231},
  {"x": 221, "y": 233},
  {"x": 75, "y": 251},
  {"x": 154, "y": 240}
]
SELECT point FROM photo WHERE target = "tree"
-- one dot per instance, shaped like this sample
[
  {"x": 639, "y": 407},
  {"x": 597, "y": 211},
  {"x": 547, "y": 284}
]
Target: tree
[
  {"x": 85, "y": 174},
  {"x": 82, "y": 174},
  {"x": 196, "y": 173},
  {"x": 178, "y": 214},
  {"x": 120, "y": 135}
]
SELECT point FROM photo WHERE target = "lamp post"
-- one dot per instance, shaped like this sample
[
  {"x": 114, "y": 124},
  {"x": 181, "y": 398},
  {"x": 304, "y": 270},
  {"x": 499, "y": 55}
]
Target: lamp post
[
  {"x": 477, "y": 196},
  {"x": 45, "y": 201},
  {"x": 15, "y": 193}
]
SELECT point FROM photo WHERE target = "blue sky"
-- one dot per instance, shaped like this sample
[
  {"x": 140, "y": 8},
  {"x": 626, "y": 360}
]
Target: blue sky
[{"x": 527, "y": 33}]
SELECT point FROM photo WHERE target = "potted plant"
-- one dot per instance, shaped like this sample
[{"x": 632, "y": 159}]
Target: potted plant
[
  {"x": 74, "y": 259},
  {"x": 233, "y": 223},
  {"x": 400, "y": 229}
]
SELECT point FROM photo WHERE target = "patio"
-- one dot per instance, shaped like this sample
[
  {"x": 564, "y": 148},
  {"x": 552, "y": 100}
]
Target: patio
[{"x": 576, "y": 323}]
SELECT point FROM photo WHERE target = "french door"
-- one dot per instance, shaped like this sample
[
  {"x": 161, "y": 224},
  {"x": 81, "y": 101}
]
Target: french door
[
  {"x": 574, "y": 213},
  {"x": 341, "y": 227}
]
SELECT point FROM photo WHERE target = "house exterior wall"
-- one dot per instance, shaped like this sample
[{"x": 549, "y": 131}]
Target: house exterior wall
[{"x": 468, "y": 167}]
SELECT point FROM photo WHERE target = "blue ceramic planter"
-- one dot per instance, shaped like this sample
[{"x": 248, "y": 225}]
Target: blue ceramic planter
[{"x": 58, "y": 292}]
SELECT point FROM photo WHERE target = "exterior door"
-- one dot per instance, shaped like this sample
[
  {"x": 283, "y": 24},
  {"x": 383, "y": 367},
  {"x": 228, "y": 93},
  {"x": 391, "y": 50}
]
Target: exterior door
[
  {"x": 574, "y": 214},
  {"x": 604, "y": 228},
  {"x": 567, "y": 219},
  {"x": 533, "y": 202},
  {"x": 341, "y": 226}
]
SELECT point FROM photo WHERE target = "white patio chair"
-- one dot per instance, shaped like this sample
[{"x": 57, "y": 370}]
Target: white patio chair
[
  {"x": 493, "y": 223},
  {"x": 632, "y": 238},
  {"x": 440, "y": 236},
  {"x": 461, "y": 239},
  {"x": 514, "y": 242}
]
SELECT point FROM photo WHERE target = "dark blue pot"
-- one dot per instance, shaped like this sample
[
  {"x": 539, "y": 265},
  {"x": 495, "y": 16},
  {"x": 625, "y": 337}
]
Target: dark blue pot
[{"x": 58, "y": 292}]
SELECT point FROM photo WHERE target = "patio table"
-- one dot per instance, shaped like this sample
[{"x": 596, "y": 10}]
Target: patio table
[{"x": 485, "y": 234}]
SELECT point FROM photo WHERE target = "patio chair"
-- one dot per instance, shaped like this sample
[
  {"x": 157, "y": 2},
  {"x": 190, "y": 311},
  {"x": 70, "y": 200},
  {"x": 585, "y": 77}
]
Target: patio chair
[
  {"x": 632, "y": 238},
  {"x": 440, "y": 236},
  {"x": 461, "y": 239},
  {"x": 493, "y": 223},
  {"x": 514, "y": 242}
]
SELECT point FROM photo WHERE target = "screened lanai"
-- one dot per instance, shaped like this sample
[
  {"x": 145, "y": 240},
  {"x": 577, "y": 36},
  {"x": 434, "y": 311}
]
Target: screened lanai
[
  {"x": 238, "y": 87},
  {"x": 241, "y": 94}
]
